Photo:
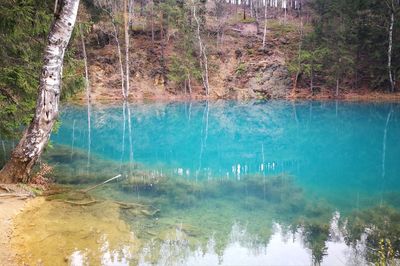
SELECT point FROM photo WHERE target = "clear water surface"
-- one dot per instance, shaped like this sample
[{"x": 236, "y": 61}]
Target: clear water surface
[{"x": 243, "y": 183}]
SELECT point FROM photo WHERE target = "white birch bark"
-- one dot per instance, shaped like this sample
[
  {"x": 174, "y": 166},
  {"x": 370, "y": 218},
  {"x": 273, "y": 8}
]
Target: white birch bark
[
  {"x": 384, "y": 141},
  {"x": 265, "y": 24},
  {"x": 88, "y": 93},
  {"x": 202, "y": 54},
  {"x": 390, "y": 48},
  {"x": 121, "y": 68},
  {"x": 126, "y": 33},
  {"x": 36, "y": 136}
]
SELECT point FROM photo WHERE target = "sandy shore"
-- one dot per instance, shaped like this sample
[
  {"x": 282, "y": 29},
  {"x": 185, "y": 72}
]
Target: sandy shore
[{"x": 9, "y": 208}]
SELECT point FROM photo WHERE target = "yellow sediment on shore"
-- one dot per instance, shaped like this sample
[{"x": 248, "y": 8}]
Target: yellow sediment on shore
[
  {"x": 58, "y": 233},
  {"x": 9, "y": 208}
]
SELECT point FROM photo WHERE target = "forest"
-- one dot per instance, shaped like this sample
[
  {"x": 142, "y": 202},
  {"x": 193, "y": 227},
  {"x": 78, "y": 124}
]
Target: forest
[{"x": 199, "y": 132}]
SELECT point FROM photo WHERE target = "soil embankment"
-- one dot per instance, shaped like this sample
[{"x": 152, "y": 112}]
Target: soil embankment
[{"x": 240, "y": 68}]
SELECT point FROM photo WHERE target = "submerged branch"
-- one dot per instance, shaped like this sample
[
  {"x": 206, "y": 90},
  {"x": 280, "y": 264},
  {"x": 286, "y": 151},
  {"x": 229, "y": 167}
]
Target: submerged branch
[
  {"x": 91, "y": 202},
  {"x": 103, "y": 183}
]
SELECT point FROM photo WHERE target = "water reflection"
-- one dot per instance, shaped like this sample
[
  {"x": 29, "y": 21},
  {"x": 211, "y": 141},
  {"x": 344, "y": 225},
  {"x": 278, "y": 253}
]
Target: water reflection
[
  {"x": 175, "y": 221},
  {"x": 211, "y": 138},
  {"x": 282, "y": 248},
  {"x": 230, "y": 183},
  {"x": 327, "y": 146}
]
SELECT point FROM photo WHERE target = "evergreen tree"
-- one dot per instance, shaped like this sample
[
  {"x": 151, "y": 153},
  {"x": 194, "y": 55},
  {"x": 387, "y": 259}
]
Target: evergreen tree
[{"x": 24, "y": 26}]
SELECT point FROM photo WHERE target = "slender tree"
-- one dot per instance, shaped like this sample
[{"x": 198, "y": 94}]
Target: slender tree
[
  {"x": 393, "y": 8},
  {"x": 36, "y": 136},
  {"x": 265, "y": 23},
  {"x": 88, "y": 93},
  {"x": 202, "y": 54},
  {"x": 126, "y": 33}
]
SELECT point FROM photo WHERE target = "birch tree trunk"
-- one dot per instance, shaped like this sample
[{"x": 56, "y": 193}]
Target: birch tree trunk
[
  {"x": 36, "y": 136},
  {"x": 337, "y": 87},
  {"x": 202, "y": 55},
  {"x": 296, "y": 79},
  {"x": 390, "y": 48},
  {"x": 131, "y": 11},
  {"x": 265, "y": 23},
  {"x": 55, "y": 6},
  {"x": 88, "y": 95},
  {"x": 126, "y": 33},
  {"x": 152, "y": 22},
  {"x": 121, "y": 68}
]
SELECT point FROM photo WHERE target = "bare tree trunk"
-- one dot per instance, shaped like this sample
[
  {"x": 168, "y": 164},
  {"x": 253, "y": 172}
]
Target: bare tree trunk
[
  {"x": 244, "y": 10},
  {"x": 390, "y": 48},
  {"x": 265, "y": 23},
  {"x": 337, "y": 87},
  {"x": 202, "y": 54},
  {"x": 152, "y": 22},
  {"x": 55, "y": 6},
  {"x": 189, "y": 83},
  {"x": 312, "y": 80},
  {"x": 126, "y": 33},
  {"x": 88, "y": 100},
  {"x": 206, "y": 71},
  {"x": 121, "y": 68},
  {"x": 36, "y": 136},
  {"x": 296, "y": 79},
  {"x": 131, "y": 11}
]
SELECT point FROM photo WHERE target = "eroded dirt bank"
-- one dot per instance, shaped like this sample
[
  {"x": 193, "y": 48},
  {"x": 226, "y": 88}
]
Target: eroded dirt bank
[{"x": 242, "y": 70}]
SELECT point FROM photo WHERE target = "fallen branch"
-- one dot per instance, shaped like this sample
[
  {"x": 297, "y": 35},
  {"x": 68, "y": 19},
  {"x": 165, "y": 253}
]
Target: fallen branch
[
  {"x": 54, "y": 192},
  {"x": 147, "y": 213},
  {"x": 150, "y": 233},
  {"x": 105, "y": 182},
  {"x": 125, "y": 205},
  {"x": 144, "y": 209},
  {"x": 81, "y": 203}
]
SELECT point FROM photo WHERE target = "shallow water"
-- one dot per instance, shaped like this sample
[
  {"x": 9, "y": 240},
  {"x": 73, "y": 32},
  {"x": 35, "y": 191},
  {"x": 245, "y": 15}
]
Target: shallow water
[{"x": 240, "y": 183}]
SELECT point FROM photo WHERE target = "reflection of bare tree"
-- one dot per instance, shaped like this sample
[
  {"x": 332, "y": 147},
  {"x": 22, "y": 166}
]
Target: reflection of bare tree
[
  {"x": 247, "y": 227},
  {"x": 384, "y": 140},
  {"x": 130, "y": 138},
  {"x": 123, "y": 131},
  {"x": 203, "y": 136},
  {"x": 73, "y": 138}
]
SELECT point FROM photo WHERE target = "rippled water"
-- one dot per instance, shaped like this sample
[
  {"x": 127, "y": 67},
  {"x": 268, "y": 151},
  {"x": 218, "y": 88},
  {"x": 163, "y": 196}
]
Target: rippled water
[{"x": 235, "y": 183}]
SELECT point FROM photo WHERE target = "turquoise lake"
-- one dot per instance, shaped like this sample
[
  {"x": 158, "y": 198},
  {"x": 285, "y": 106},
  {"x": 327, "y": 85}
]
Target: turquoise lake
[{"x": 262, "y": 183}]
